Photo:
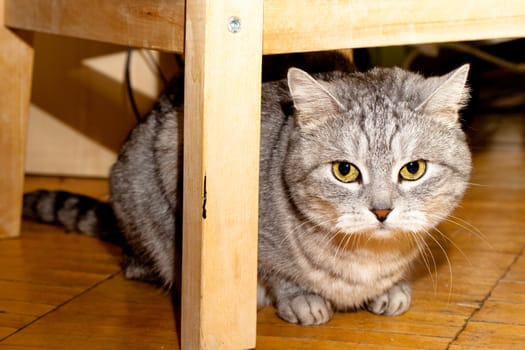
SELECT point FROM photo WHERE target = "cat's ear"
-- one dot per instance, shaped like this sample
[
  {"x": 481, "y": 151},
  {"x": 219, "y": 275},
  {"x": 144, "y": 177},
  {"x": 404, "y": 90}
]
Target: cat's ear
[
  {"x": 311, "y": 98},
  {"x": 446, "y": 95}
]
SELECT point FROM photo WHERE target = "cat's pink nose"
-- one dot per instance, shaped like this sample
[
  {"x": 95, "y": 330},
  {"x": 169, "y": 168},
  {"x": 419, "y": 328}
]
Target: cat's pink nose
[{"x": 381, "y": 214}]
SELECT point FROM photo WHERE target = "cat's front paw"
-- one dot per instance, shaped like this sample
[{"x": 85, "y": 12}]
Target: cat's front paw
[
  {"x": 393, "y": 302},
  {"x": 305, "y": 309}
]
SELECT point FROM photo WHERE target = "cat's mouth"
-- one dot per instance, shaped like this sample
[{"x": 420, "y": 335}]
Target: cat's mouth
[{"x": 371, "y": 227}]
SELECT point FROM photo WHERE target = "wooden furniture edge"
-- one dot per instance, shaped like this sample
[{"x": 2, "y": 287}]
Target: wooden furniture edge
[
  {"x": 289, "y": 25},
  {"x": 221, "y": 152},
  {"x": 16, "y": 67}
]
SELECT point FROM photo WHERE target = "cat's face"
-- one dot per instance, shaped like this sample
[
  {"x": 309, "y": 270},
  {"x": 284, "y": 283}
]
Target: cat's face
[{"x": 372, "y": 156}]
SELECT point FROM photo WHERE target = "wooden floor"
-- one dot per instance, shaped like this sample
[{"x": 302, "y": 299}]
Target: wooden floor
[{"x": 65, "y": 291}]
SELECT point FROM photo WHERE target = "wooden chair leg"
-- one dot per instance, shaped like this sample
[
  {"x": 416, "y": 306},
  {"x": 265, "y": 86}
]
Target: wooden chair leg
[
  {"x": 221, "y": 161},
  {"x": 16, "y": 65}
]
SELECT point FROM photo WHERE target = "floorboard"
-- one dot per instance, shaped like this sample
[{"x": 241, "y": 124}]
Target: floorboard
[{"x": 66, "y": 291}]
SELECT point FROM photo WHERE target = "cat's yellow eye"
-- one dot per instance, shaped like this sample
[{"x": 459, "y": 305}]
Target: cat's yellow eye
[
  {"x": 414, "y": 170},
  {"x": 345, "y": 172}
]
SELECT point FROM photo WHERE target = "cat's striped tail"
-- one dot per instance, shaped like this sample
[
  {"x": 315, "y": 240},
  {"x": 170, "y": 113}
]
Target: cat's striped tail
[{"x": 74, "y": 212}]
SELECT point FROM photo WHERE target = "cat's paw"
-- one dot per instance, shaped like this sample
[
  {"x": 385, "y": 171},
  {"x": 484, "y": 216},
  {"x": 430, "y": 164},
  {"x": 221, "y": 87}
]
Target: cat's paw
[
  {"x": 393, "y": 302},
  {"x": 305, "y": 309}
]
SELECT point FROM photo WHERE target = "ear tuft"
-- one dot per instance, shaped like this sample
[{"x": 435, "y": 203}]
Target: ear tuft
[
  {"x": 310, "y": 98},
  {"x": 446, "y": 95}
]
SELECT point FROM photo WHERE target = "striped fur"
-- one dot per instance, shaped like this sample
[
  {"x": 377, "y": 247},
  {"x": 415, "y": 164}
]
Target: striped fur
[
  {"x": 75, "y": 212},
  {"x": 322, "y": 245}
]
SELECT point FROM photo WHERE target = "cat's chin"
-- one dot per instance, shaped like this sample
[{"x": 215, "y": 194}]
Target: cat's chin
[
  {"x": 379, "y": 234},
  {"x": 379, "y": 240},
  {"x": 383, "y": 233}
]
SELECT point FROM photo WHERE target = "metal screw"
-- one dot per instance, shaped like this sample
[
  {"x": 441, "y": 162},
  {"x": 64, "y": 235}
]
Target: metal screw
[{"x": 234, "y": 24}]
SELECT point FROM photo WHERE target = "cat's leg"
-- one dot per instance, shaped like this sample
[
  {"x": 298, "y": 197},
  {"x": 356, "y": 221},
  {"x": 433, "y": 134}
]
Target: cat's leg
[
  {"x": 296, "y": 305},
  {"x": 393, "y": 302},
  {"x": 137, "y": 269}
]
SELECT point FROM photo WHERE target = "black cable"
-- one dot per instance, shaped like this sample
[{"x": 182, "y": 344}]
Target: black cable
[
  {"x": 180, "y": 61},
  {"x": 129, "y": 89},
  {"x": 155, "y": 63}
]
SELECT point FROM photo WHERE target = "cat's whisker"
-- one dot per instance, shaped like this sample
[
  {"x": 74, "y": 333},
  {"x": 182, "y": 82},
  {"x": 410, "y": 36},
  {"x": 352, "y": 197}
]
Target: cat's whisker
[
  {"x": 467, "y": 226},
  {"x": 342, "y": 245},
  {"x": 445, "y": 236},
  {"x": 310, "y": 226},
  {"x": 463, "y": 224},
  {"x": 327, "y": 238},
  {"x": 448, "y": 239},
  {"x": 368, "y": 239},
  {"x": 449, "y": 264},
  {"x": 330, "y": 240},
  {"x": 421, "y": 250},
  {"x": 474, "y": 184},
  {"x": 297, "y": 228},
  {"x": 425, "y": 251}
]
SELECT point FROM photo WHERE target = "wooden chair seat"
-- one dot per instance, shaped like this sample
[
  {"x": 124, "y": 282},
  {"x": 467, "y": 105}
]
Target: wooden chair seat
[
  {"x": 288, "y": 26},
  {"x": 223, "y": 42}
]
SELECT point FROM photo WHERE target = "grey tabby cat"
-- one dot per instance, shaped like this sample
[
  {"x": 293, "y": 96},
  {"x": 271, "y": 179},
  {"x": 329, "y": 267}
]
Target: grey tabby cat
[{"x": 356, "y": 170}]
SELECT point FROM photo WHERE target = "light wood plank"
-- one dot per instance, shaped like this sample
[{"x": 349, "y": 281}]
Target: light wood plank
[
  {"x": 41, "y": 271},
  {"x": 116, "y": 314},
  {"x": 289, "y": 25},
  {"x": 16, "y": 66},
  {"x": 154, "y": 24},
  {"x": 509, "y": 291},
  {"x": 502, "y": 312},
  {"x": 273, "y": 343},
  {"x": 221, "y": 162},
  {"x": 307, "y": 25},
  {"x": 481, "y": 335}
]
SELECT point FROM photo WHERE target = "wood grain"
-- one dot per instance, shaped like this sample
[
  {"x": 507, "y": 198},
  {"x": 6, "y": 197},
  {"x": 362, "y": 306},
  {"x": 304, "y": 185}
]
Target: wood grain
[
  {"x": 16, "y": 66},
  {"x": 313, "y": 25},
  {"x": 221, "y": 162},
  {"x": 478, "y": 304},
  {"x": 289, "y": 25},
  {"x": 154, "y": 24},
  {"x": 220, "y": 248}
]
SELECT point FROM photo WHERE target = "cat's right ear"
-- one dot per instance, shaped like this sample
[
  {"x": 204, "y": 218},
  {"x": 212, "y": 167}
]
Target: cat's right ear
[{"x": 310, "y": 98}]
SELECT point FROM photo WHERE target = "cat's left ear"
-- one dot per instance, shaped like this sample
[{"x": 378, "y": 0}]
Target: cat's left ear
[
  {"x": 446, "y": 95},
  {"x": 310, "y": 98}
]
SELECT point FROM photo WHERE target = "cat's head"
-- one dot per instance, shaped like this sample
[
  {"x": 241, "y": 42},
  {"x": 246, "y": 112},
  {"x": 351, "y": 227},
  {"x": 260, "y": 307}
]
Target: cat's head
[{"x": 379, "y": 152}]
